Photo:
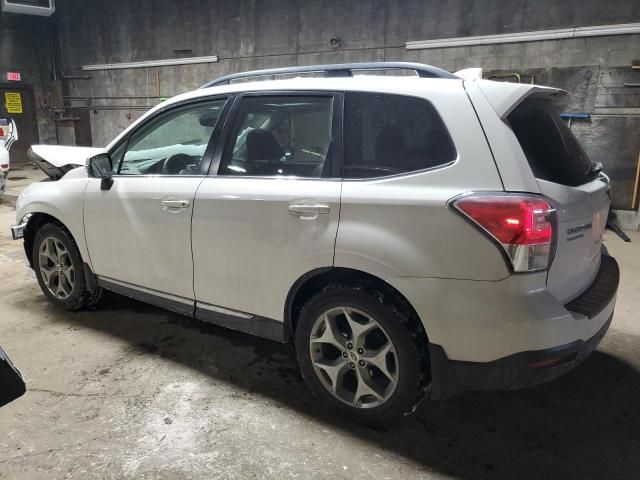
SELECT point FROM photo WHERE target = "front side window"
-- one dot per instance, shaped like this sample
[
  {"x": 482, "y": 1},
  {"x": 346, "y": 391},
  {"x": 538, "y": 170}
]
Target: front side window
[
  {"x": 172, "y": 143},
  {"x": 392, "y": 134},
  {"x": 280, "y": 136}
]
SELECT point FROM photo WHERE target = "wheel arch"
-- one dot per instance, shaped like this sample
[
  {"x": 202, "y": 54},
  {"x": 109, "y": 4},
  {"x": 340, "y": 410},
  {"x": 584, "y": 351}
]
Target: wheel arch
[
  {"x": 316, "y": 280},
  {"x": 36, "y": 221}
]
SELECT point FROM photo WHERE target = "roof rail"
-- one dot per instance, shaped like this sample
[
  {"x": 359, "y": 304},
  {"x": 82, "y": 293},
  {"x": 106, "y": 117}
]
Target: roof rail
[{"x": 337, "y": 70}]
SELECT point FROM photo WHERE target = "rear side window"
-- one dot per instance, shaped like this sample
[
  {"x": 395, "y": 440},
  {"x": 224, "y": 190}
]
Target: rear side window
[
  {"x": 391, "y": 134},
  {"x": 552, "y": 151},
  {"x": 285, "y": 135}
]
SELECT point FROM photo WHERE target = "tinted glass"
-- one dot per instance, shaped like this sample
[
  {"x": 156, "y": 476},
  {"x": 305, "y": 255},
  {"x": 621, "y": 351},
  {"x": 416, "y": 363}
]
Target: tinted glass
[
  {"x": 392, "y": 134},
  {"x": 553, "y": 152},
  {"x": 172, "y": 143},
  {"x": 280, "y": 136}
]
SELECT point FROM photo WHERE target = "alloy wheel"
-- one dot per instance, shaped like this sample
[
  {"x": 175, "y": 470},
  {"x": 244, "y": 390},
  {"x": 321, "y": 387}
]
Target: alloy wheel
[
  {"x": 353, "y": 357},
  {"x": 56, "y": 268}
]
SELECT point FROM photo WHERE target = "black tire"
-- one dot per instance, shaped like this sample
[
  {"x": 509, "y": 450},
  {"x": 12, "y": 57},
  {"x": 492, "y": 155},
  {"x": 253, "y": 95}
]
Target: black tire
[
  {"x": 395, "y": 323},
  {"x": 80, "y": 296}
]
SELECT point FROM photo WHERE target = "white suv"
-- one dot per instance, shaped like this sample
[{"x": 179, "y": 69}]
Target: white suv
[{"x": 412, "y": 236}]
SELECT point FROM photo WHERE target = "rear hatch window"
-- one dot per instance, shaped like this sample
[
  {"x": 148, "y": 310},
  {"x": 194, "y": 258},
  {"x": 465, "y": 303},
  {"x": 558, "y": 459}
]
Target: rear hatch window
[{"x": 552, "y": 151}]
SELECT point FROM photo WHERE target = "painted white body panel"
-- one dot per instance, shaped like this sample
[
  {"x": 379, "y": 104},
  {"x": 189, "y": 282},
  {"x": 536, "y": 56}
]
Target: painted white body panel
[
  {"x": 133, "y": 238},
  {"x": 62, "y": 200},
  {"x": 484, "y": 321},
  {"x": 512, "y": 164},
  {"x": 249, "y": 249}
]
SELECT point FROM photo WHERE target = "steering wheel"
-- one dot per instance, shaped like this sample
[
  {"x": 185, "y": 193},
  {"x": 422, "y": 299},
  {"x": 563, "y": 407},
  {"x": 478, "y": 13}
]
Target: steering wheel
[{"x": 176, "y": 163}]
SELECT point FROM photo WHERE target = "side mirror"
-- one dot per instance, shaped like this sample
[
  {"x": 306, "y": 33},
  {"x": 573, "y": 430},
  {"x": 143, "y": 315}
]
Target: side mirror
[{"x": 100, "y": 166}]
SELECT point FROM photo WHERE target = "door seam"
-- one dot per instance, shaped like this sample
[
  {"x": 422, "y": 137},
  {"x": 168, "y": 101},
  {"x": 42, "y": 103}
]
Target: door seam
[
  {"x": 335, "y": 240},
  {"x": 193, "y": 262}
]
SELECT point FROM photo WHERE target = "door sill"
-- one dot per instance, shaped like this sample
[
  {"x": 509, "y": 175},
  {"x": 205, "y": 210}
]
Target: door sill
[
  {"x": 183, "y": 306},
  {"x": 241, "y": 321}
]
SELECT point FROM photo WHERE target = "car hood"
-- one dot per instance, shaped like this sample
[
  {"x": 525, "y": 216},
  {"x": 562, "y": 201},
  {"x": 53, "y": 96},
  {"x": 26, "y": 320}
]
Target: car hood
[{"x": 55, "y": 160}]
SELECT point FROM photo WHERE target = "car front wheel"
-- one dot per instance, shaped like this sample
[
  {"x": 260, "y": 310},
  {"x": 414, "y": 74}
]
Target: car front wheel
[{"x": 59, "y": 268}]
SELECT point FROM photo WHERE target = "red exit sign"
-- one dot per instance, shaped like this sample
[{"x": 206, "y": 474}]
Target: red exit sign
[{"x": 13, "y": 76}]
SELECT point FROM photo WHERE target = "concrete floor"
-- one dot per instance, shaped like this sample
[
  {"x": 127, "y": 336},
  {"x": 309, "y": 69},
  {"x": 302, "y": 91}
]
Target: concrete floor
[{"x": 131, "y": 391}]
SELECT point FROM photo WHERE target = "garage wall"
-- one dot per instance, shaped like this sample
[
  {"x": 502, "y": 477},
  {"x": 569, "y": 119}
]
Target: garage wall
[
  {"x": 249, "y": 34},
  {"x": 25, "y": 48}
]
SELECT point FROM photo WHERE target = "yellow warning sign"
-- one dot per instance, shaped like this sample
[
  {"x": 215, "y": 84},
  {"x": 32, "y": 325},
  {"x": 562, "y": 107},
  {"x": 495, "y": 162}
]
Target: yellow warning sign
[{"x": 14, "y": 102}]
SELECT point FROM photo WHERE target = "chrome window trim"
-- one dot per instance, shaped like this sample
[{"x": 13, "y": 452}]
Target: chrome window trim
[
  {"x": 276, "y": 177},
  {"x": 155, "y": 175},
  {"x": 405, "y": 174},
  {"x": 225, "y": 311}
]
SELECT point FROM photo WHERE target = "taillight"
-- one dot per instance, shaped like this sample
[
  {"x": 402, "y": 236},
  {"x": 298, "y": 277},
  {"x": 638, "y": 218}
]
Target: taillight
[{"x": 522, "y": 224}]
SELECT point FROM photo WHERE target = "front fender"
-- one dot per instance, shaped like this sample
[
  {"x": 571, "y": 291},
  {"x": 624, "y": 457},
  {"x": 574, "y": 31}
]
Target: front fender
[{"x": 62, "y": 200}]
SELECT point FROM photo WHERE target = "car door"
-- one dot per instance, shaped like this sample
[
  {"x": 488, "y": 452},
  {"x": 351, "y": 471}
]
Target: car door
[
  {"x": 138, "y": 232},
  {"x": 270, "y": 214}
]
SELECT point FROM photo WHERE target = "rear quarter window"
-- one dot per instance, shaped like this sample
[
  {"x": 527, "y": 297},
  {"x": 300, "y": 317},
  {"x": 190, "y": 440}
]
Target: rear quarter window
[
  {"x": 392, "y": 134},
  {"x": 552, "y": 151}
]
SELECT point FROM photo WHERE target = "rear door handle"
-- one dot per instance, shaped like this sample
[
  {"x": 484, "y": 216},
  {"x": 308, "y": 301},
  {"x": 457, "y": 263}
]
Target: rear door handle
[
  {"x": 306, "y": 210},
  {"x": 175, "y": 203}
]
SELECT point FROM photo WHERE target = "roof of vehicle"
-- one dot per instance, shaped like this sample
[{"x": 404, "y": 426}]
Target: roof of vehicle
[
  {"x": 502, "y": 95},
  {"x": 359, "y": 82},
  {"x": 329, "y": 77}
]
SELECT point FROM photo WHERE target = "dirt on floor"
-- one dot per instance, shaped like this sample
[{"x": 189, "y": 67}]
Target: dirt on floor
[{"x": 130, "y": 391}]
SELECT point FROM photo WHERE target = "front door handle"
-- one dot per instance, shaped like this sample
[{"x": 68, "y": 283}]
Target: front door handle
[
  {"x": 175, "y": 203},
  {"x": 309, "y": 209}
]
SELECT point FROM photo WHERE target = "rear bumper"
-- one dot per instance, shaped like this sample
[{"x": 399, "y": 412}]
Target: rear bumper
[
  {"x": 528, "y": 368},
  {"x": 520, "y": 370}
]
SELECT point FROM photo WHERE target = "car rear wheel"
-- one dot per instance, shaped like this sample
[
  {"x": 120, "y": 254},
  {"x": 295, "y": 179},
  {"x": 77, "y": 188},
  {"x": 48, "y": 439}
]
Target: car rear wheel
[
  {"x": 357, "y": 355},
  {"x": 60, "y": 270}
]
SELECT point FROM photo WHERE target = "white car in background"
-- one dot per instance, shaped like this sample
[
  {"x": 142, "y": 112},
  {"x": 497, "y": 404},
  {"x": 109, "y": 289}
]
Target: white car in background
[
  {"x": 411, "y": 237},
  {"x": 8, "y": 136}
]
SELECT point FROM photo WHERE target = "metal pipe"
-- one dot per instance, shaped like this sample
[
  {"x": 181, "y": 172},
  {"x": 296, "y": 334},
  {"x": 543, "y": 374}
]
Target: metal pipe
[
  {"x": 169, "y": 62},
  {"x": 61, "y": 69},
  {"x": 115, "y": 107},
  {"x": 122, "y": 97},
  {"x": 634, "y": 204},
  {"x": 533, "y": 36}
]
